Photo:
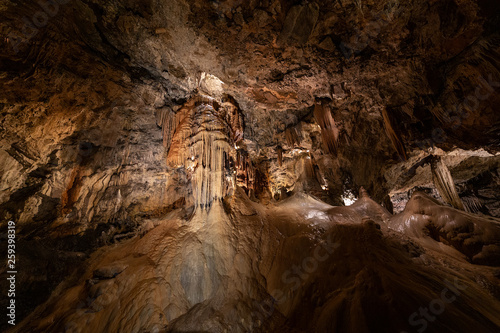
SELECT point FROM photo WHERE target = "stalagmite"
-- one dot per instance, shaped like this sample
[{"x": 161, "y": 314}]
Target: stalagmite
[
  {"x": 444, "y": 183},
  {"x": 329, "y": 130}
]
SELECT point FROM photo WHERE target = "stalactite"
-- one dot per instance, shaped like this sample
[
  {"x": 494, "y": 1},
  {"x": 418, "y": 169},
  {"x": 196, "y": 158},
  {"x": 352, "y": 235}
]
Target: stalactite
[
  {"x": 251, "y": 175},
  {"x": 169, "y": 122},
  {"x": 279, "y": 152},
  {"x": 178, "y": 150},
  {"x": 329, "y": 130},
  {"x": 472, "y": 204},
  {"x": 233, "y": 118},
  {"x": 210, "y": 144},
  {"x": 292, "y": 137},
  {"x": 169, "y": 125},
  {"x": 261, "y": 181},
  {"x": 444, "y": 183},
  {"x": 309, "y": 168},
  {"x": 298, "y": 130},
  {"x": 203, "y": 143},
  {"x": 393, "y": 136}
]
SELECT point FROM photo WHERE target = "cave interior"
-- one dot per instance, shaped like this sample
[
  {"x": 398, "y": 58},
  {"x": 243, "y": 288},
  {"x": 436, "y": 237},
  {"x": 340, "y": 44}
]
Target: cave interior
[{"x": 250, "y": 166}]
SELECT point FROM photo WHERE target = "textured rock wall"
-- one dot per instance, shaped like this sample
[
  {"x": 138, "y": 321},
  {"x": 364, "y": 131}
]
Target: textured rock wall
[{"x": 92, "y": 91}]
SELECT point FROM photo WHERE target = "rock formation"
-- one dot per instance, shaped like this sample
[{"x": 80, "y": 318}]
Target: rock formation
[{"x": 251, "y": 166}]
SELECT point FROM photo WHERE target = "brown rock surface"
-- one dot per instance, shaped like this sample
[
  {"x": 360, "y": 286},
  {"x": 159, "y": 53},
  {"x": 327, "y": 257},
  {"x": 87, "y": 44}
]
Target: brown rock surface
[{"x": 167, "y": 162}]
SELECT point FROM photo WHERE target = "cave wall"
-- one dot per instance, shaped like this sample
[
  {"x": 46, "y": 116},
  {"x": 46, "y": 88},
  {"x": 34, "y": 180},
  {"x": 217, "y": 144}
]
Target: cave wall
[{"x": 83, "y": 160}]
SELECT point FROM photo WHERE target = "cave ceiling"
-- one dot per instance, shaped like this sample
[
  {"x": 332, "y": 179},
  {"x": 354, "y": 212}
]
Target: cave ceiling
[{"x": 397, "y": 76}]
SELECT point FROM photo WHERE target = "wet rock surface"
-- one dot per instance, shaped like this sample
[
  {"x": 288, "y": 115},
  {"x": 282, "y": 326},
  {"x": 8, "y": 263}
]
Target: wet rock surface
[{"x": 225, "y": 270}]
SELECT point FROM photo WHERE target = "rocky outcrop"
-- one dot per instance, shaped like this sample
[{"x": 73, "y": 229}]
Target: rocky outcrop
[{"x": 243, "y": 267}]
